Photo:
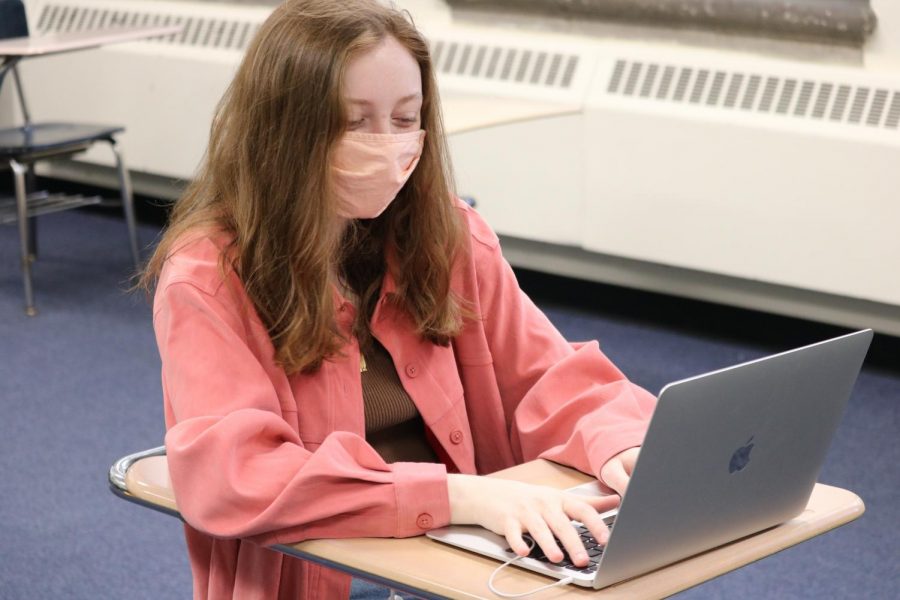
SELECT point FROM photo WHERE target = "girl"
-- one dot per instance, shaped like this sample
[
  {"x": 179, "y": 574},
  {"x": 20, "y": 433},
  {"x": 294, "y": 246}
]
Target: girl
[{"x": 344, "y": 349}]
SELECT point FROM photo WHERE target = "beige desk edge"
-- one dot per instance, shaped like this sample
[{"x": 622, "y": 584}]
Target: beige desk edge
[
  {"x": 464, "y": 113},
  {"x": 428, "y": 565},
  {"x": 52, "y": 43}
]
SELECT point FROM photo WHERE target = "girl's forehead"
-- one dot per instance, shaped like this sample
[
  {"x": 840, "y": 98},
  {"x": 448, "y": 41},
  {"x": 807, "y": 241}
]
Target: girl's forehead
[{"x": 387, "y": 69}]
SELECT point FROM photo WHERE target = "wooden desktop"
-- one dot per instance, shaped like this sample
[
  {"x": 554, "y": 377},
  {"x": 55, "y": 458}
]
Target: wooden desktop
[{"x": 430, "y": 569}]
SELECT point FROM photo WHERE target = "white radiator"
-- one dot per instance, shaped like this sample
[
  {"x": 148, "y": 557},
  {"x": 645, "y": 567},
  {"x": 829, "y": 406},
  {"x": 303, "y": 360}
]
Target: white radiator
[{"x": 746, "y": 167}]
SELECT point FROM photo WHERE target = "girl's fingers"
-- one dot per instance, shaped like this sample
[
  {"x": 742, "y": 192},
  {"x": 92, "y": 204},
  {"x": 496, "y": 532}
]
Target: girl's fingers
[
  {"x": 617, "y": 470},
  {"x": 513, "y": 534},
  {"x": 615, "y": 476},
  {"x": 592, "y": 520},
  {"x": 539, "y": 530},
  {"x": 546, "y": 516},
  {"x": 561, "y": 525},
  {"x": 602, "y": 503}
]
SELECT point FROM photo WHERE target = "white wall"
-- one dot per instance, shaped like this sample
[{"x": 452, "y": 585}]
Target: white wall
[
  {"x": 6, "y": 102},
  {"x": 883, "y": 49}
]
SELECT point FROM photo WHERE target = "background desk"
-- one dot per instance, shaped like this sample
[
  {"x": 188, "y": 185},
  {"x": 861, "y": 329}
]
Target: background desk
[
  {"x": 41, "y": 45},
  {"x": 422, "y": 566}
]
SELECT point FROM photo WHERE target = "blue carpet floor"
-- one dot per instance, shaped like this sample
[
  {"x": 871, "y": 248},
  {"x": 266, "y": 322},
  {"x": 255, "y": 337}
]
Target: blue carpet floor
[{"x": 80, "y": 388}]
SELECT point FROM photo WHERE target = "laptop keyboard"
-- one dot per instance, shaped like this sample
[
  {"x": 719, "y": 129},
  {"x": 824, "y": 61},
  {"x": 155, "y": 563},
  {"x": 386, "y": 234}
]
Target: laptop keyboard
[{"x": 594, "y": 551}]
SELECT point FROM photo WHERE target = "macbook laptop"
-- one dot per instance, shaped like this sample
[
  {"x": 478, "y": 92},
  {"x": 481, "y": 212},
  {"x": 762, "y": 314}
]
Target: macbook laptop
[{"x": 727, "y": 454}]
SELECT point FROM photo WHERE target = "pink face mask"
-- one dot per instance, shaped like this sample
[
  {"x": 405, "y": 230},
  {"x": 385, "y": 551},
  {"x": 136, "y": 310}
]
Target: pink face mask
[{"x": 370, "y": 168}]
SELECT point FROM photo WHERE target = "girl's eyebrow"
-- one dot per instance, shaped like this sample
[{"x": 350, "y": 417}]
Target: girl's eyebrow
[{"x": 367, "y": 102}]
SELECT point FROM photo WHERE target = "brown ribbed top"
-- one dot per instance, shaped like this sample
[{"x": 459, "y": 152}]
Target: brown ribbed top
[{"x": 394, "y": 426}]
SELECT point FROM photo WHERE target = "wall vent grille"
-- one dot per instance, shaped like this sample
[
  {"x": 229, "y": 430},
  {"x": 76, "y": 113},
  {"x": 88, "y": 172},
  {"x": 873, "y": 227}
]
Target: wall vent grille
[
  {"x": 823, "y": 100},
  {"x": 197, "y": 31},
  {"x": 513, "y": 65}
]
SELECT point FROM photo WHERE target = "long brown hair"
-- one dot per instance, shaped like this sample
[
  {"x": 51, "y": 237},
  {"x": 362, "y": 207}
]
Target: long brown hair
[{"x": 265, "y": 181}]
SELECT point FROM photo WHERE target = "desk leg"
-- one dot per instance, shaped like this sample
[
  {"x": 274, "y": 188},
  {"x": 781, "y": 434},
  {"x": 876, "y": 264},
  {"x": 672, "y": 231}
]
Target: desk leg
[
  {"x": 19, "y": 173},
  {"x": 127, "y": 204}
]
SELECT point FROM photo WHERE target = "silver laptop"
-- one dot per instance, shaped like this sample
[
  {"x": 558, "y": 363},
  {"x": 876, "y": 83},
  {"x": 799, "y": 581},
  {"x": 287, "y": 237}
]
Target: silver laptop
[{"x": 727, "y": 454}]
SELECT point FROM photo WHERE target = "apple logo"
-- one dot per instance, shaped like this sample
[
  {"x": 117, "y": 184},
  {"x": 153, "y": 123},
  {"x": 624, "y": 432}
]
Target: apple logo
[{"x": 741, "y": 457}]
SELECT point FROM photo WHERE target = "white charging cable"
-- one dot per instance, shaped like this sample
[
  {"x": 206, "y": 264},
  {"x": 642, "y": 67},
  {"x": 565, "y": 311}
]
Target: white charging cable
[{"x": 565, "y": 581}]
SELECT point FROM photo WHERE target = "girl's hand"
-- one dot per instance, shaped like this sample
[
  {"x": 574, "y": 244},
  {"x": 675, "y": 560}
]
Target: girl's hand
[
  {"x": 511, "y": 508},
  {"x": 617, "y": 471}
]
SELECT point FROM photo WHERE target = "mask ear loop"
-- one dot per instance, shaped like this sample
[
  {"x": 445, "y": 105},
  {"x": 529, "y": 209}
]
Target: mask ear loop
[{"x": 565, "y": 581}]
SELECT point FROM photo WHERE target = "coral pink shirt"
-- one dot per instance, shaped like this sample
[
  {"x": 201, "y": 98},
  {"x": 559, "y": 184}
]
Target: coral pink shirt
[{"x": 258, "y": 457}]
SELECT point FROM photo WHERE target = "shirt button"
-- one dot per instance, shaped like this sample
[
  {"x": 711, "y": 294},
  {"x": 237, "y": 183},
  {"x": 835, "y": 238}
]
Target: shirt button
[
  {"x": 412, "y": 370},
  {"x": 425, "y": 521},
  {"x": 456, "y": 436}
]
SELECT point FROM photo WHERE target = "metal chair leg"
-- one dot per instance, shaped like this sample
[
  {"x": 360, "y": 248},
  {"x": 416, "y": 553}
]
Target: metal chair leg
[
  {"x": 19, "y": 171},
  {"x": 31, "y": 186},
  {"x": 127, "y": 204}
]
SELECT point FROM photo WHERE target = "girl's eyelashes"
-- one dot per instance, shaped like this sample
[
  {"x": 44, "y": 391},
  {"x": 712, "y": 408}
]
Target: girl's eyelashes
[{"x": 404, "y": 121}]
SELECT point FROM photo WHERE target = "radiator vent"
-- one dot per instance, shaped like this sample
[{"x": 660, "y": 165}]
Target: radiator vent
[
  {"x": 790, "y": 97},
  {"x": 514, "y": 65},
  {"x": 197, "y": 31}
]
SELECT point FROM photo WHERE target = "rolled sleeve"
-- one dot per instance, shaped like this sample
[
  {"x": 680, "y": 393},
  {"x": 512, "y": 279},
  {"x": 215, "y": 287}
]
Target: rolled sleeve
[{"x": 422, "y": 497}]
